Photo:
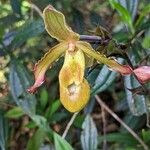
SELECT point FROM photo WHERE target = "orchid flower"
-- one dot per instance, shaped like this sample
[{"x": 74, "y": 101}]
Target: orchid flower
[{"x": 74, "y": 88}]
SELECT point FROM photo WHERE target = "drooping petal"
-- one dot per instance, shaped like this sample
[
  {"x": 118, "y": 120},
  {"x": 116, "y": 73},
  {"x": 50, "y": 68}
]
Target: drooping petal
[
  {"x": 111, "y": 63},
  {"x": 75, "y": 97},
  {"x": 56, "y": 26},
  {"x": 43, "y": 64},
  {"x": 73, "y": 68},
  {"x": 142, "y": 73}
]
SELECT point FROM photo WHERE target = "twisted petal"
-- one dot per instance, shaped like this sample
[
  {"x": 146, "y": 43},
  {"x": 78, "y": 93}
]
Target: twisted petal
[
  {"x": 89, "y": 61},
  {"x": 43, "y": 64},
  {"x": 74, "y": 89},
  {"x": 142, "y": 73},
  {"x": 75, "y": 97},
  {"x": 56, "y": 26},
  {"x": 111, "y": 63}
]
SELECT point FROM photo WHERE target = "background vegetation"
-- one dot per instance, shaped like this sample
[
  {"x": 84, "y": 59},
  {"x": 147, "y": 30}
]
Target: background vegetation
[{"x": 32, "y": 121}]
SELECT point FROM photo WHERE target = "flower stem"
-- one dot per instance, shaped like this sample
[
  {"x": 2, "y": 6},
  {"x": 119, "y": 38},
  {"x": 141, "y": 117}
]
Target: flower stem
[
  {"x": 104, "y": 106},
  {"x": 69, "y": 124},
  {"x": 91, "y": 38},
  {"x": 94, "y": 39}
]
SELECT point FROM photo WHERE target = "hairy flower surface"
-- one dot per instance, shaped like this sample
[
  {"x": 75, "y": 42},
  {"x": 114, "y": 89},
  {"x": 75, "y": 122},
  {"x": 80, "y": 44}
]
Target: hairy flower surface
[{"x": 74, "y": 88}]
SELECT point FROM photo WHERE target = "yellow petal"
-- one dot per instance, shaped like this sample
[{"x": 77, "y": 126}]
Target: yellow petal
[
  {"x": 43, "y": 64},
  {"x": 73, "y": 68},
  {"x": 111, "y": 63},
  {"x": 89, "y": 61},
  {"x": 75, "y": 97},
  {"x": 56, "y": 26}
]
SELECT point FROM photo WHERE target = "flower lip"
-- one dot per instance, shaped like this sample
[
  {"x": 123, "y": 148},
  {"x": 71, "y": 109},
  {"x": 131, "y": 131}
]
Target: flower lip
[
  {"x": 73, "y": 90},
  {"x": 75, "y": 96}
]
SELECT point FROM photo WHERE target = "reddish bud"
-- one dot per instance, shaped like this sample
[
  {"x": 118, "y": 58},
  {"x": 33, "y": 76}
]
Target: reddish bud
[{"x": 142, "y": 73}]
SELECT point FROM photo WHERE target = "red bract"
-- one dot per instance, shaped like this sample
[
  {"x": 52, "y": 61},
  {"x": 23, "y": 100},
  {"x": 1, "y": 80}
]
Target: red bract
[{"x": 142, "y": 73}]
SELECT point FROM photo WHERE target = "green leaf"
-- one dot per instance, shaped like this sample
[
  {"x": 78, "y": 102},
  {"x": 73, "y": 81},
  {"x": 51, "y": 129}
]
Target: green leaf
[
  {"x": 15, "y": 112},
  {"x": 133, "y": 122},
  {"x": 90, "y": 106},
  {"x": 145, "y": 25},
  {"x": 8, "y": 20},
  {"x": 89, "y": 134},
  {"x": 41, "y": 122},
  {"x": 92, "y": 74},
  {"x": 124, "y": 14},
  {"x": 79, "y": 121},
  {"x": 104, "y": 80},
  {"x": 144, "y": 12},
  {"x": 131, "y": 6},
  {"x": 4, "y": 131},
  {"x": 58, "y": 117},
  {"x": 43, "y": 98},
  {"x": 36, "y": 140},
  {"x": 16, "y": 6},
  {"x": 19, "y": 82},
  {"x": 28, "y": 30},
  {"x": 137, "y": 103},
  {"x": 52, "y": 109},
  {"x": 78, "y": 20},
  {"x": 122, "y": 138},
  {"x": 95, "y": 18},
  {"x": 31, "y": 125},
  {"x": 60, "y": 143},
  {"x": 146, "y": 135},
  {"x": 47, "y": 147},
  {"x": 2, "y": 31},
  {"x": 146, "y": 42}
]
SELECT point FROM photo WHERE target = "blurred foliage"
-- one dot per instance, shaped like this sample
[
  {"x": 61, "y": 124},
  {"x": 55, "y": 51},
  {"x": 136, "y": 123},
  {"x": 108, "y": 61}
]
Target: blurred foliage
[{"x": 31, "y": 121}]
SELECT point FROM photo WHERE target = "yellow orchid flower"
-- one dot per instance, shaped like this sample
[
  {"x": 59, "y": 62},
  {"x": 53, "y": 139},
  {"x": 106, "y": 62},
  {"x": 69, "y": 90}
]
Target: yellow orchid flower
[{"x": 74, "y": 88}]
